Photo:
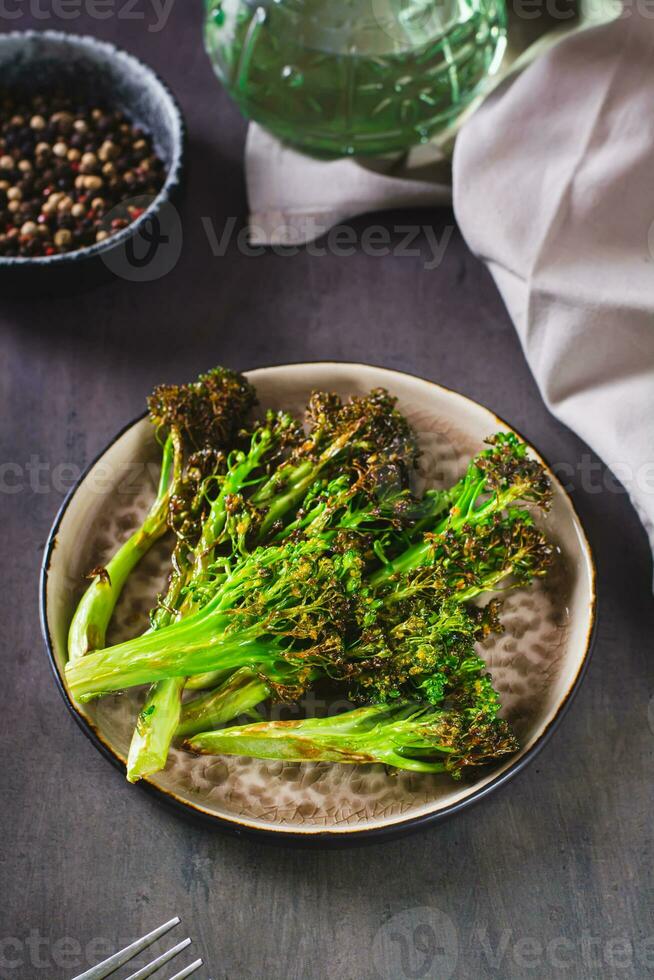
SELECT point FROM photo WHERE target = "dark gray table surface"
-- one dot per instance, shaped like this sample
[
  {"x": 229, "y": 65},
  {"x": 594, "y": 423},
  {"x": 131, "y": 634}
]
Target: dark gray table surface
[{"x": 549, "y": 877}]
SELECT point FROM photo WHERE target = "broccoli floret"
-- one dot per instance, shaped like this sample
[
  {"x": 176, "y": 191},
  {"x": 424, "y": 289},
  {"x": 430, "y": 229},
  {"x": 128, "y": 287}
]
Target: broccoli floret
[
  {"x": 206, "y": 412},
  {"x": 304, "y": 555}
]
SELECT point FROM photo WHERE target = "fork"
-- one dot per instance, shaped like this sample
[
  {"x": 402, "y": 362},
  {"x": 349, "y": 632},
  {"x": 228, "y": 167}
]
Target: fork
[{"x": 123, "y": 956}]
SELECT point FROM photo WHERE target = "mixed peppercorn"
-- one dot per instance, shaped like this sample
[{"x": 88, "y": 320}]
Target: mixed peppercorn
[{"x": 68, "y": 173}]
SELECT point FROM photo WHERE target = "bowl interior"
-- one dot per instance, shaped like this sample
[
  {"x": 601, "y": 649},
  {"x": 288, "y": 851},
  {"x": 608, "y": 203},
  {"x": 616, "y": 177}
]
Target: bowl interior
[
  {"x": 94, "y": 72},
  {"x": 535, "y": 663}
]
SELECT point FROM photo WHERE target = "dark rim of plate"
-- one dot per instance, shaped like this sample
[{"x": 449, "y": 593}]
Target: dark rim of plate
[
  {"x": 327, "y": 838},
  {"x": 175, "y": 170}
]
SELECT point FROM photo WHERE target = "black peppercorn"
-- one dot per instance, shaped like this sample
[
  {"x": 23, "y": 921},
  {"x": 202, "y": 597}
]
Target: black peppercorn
[{"x": 63, "y": 167}]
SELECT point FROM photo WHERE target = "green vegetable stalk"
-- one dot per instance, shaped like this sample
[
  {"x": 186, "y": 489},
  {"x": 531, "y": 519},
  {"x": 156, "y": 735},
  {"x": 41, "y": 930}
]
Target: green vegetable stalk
[
  {"x": 497, "y": 478},
  {"x": 342, "y": 436},
  {"x": 281, "y": 605},
  {"x": 206, "y": 412},
  {"x": 161, "y": 713},
  {"x": 293, "y": 606},
  {"x": 280, "y": 593},
  {"x": 88, "y": 628},
  {"x": 239, "y": 694},
  {"x": 405, "y": 736}
]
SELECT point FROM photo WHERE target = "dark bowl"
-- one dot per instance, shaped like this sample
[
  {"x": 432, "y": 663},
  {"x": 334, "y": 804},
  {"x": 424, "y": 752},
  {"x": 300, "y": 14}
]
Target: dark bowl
[{"x": 35, "y": 61}]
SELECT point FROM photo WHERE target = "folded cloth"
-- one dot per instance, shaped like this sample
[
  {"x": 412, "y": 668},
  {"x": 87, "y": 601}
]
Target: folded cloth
[
  {"x": 295, "y": 199},
  {"x": 553, "y": 189}
]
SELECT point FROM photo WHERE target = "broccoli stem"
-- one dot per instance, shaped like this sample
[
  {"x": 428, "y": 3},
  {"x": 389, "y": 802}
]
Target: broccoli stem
[
  {"x": 278, "y": 496},
  {"x": 242, "y": 692},
  {"x": 235, "y": 480},
  {"x": 278, "y": 505},
  {"x": 129, "y": 665},
  {"x": 148, "y": 751},
  {"x": 198, "y": 643},
  {"x": 88, "y": 628},
  {"x": 203, "y": 681},
  {"x": 288, "y": 477},
  {"x": 463, "y": 512},
  {"x": 192, "y": 645},
  {"x": 156, "y": 728},
  {"x": 406, "y": 735},
  {"x": 364, "y": 735}
]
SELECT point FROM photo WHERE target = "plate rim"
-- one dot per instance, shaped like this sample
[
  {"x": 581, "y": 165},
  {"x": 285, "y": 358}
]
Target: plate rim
[{"x": 239, "y": 826}]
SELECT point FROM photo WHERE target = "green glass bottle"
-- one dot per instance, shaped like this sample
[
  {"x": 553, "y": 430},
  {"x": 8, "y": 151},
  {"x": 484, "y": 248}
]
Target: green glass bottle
[{"x": 354, "y": 76}]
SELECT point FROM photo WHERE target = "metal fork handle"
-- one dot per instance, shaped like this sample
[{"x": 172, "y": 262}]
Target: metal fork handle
[
  {"x": 147, "y": 971},
  {"x": 123, "y": 956},
  {"x": 188, "y": 971}
]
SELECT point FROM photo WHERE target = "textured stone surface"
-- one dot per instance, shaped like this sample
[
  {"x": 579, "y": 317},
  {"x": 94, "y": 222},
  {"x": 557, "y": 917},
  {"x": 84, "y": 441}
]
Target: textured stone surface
[{"x": 562, "y": 854}]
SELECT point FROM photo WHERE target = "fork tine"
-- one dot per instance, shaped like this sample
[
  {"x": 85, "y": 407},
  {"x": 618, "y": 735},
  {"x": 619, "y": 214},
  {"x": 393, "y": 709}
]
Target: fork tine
[
  {"x": 188, "y": 970},
  {"x": 151, "y": 968},
  {"x": 123, "y": 956}
]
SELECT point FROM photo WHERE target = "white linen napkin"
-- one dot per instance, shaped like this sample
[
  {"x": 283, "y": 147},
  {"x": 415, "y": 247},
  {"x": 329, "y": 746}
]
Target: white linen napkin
[
  {"x": 295, "y": 199},
  {"x": 563, "y": 215}
]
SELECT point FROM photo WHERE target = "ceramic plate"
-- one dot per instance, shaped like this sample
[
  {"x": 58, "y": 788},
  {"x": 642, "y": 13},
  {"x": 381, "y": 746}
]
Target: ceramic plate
[{"x": 537, "y": 663}]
